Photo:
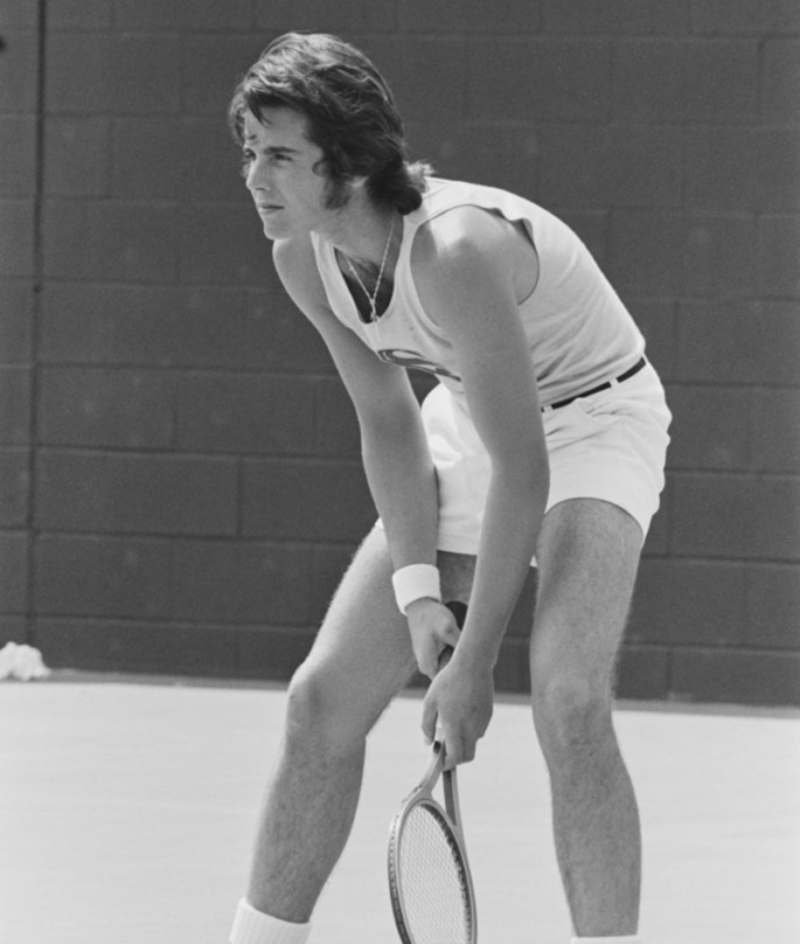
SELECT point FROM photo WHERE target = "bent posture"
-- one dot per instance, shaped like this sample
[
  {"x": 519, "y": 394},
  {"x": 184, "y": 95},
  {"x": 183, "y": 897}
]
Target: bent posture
[{"x": 543, "y": 443}]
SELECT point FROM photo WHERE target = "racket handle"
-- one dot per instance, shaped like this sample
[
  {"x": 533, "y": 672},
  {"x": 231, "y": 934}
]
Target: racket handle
[
  {"x": 445, "y": 656},
  {"x": 459, "y": 610}
]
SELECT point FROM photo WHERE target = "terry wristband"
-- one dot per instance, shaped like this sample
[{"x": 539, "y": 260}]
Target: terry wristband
[{"x": 415, "y": 582}]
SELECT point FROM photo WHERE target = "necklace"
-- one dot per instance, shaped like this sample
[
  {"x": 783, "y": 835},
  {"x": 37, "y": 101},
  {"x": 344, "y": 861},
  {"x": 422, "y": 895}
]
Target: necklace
[{"x": 372, "y": 299}]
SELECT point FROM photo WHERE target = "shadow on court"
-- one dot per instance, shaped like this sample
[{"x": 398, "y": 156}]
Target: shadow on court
[{"x": 127, "y": 809}]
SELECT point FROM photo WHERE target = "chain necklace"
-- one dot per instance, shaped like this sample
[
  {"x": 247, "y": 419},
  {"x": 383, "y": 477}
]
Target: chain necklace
[{"x": 373, "y": 299}]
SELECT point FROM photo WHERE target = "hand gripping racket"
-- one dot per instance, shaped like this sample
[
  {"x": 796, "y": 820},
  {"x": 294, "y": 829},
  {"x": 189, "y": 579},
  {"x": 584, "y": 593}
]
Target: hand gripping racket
[{"x": 429, "y": 878}]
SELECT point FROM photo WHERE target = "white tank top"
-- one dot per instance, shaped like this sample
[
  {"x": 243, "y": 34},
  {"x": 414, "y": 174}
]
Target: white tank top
[{"x": 579, "y": 332}]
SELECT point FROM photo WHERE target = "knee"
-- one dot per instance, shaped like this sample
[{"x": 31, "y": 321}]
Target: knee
[
  {"x": 316, "y": 716},
  {"x": 572, "y": 715}
]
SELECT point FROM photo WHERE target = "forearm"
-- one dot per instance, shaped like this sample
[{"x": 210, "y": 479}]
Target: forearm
[
  {"x": 402, "y": 481},
  {"x": 512, "y": 520}
]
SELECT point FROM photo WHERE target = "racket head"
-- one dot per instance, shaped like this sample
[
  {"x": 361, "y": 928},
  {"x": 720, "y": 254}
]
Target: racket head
[{"x": 429, "y": 876}]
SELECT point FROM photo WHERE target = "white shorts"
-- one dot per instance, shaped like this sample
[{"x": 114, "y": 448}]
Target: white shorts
[{"x": 610, "y": 446}]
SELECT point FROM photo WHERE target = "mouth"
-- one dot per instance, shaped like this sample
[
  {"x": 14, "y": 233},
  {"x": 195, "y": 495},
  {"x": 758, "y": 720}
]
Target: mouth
[{"x": 268, "y": 207}]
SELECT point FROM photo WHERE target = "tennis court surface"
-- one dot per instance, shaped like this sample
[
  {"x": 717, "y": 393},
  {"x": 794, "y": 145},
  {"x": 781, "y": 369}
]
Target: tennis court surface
[{"x": 127, "y": 809}]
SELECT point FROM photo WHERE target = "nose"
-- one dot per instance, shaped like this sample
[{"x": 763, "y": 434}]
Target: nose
[{"x": 257, "y": 176}]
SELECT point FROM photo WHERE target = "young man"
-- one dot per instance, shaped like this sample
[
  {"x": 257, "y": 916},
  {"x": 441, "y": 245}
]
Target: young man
[{"x": 545, "y": 441}]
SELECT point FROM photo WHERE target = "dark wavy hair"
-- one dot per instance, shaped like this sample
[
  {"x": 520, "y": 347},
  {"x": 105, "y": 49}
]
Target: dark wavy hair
[{"x": 350, "y": 111}]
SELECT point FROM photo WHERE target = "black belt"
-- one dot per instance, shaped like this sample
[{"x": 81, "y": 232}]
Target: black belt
[{"x": 642, "y": 362}]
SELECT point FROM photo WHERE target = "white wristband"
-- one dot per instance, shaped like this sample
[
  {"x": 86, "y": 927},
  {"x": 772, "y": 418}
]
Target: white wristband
[{"x": 415, "y": 582}]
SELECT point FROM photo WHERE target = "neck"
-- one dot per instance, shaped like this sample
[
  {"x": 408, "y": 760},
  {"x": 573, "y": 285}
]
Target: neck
[{"x": 361, "y": 233}]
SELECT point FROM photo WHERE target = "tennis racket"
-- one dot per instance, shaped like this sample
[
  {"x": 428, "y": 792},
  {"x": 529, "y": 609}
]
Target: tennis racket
[{"x": 429, "y": 877}]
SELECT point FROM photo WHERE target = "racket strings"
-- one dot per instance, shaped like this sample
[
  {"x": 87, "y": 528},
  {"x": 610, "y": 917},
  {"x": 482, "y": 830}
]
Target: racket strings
[{"x": 433, "y": 881}]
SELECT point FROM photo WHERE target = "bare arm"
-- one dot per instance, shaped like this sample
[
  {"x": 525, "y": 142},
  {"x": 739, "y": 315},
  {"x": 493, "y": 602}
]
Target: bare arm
[
  {"x": 397, "y": 460},
  {"x": 465, "y": 275}
]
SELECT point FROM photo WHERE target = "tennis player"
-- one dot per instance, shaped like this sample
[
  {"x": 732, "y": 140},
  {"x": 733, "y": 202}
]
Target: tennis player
[{"x": 543, "y": 443}]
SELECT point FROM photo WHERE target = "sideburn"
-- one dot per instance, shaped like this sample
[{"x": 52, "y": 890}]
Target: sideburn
[{"x": 336, "y": 193}]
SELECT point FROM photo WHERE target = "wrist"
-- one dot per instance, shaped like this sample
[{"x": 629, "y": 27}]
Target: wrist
[
  {"x": 416, "y": 582},
  {"x": 476, "y": 654},
  {"x": 419, "y": 604}
]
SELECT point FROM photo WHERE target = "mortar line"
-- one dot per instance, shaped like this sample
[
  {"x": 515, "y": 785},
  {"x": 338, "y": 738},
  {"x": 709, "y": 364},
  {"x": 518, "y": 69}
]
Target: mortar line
[{"x": 35, "y": 327}]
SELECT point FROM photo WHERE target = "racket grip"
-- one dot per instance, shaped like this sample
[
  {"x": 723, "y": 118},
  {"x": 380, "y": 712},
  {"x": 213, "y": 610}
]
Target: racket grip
[
  {"x": 445, "y": 656},
  {"x": 459, "y": 610}
]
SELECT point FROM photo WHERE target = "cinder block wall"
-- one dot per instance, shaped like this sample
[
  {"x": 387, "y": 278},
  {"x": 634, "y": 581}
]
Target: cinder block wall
[{"x": 180, "y": 485}]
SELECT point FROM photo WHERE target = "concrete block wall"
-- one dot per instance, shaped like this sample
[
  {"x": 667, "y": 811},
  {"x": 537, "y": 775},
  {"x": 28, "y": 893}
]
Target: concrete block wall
[{"x": 180, "y": 486}]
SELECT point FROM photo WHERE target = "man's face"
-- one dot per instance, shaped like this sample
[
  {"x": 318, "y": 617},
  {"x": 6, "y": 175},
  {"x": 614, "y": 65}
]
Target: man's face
[{"x": 284, "y": 173}]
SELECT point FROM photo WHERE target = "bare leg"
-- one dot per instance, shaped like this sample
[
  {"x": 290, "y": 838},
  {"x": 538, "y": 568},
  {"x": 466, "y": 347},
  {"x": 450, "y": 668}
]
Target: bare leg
[
  {"x": 588, "y": 555},
  {"x": 306, "y": 821},
  {"x": 361, "y": 658}
]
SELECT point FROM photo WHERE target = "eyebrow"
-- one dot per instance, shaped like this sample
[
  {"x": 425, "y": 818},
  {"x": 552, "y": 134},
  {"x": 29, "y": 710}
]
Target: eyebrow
[{"x": 273, "y": 149}]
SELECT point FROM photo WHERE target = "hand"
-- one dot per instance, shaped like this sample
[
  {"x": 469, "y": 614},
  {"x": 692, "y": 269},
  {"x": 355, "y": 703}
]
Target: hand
[
  {"x": 459, "y": 704},
  {"x": 433, "y": 628}
]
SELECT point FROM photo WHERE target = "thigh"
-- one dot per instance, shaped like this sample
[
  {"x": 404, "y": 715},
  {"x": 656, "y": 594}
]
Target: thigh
[
  {"x": 362, "y": 655},
  {"x": 588, "y": 555}
]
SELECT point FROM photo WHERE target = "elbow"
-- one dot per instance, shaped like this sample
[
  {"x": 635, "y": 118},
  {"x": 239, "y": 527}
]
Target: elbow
[
  {"x": 541, "y": 481},
  {"x": 537, "y": 482}
]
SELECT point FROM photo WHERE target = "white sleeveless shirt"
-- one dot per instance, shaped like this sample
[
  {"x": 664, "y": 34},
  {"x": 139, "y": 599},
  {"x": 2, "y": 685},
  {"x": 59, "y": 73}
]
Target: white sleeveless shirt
[{"x": 579, "y": 332}]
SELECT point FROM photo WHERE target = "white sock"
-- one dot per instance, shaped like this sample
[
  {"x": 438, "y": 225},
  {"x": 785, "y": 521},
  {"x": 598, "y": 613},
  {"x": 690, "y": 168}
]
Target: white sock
[
  {"x": 621, "y": 939},
  {"x": 255, "y": 927}
]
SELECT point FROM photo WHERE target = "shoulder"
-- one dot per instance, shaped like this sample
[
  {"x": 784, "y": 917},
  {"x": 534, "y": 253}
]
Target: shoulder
[
  {"x": 291, "y": 257},
  {"x": 459, "y": 238},
  {"x": 463, "y": 266},
  {"x": 296, "y": 265},
  {"x": 466, "y": 246},
  {"x": 462, "y": 229}
]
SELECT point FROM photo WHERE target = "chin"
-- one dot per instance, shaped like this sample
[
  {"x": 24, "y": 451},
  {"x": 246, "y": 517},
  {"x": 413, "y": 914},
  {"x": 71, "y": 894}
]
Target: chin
[{"x": 273, "y": 230}]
